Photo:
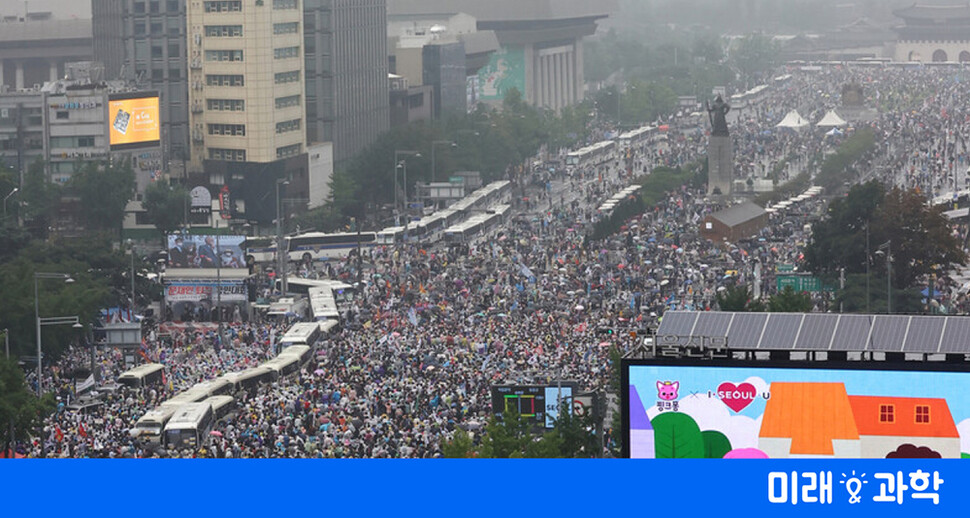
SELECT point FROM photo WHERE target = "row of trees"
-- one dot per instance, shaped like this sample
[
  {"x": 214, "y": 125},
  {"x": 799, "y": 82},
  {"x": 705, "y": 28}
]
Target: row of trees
[
  {"x": 491, "y": 141},
  {"x": 513, "y": 437},
  {"x": 870, "y": 222}
]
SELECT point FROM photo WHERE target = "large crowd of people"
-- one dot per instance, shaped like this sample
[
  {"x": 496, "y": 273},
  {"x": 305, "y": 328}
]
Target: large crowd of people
[{"x": 434, "y": 327}]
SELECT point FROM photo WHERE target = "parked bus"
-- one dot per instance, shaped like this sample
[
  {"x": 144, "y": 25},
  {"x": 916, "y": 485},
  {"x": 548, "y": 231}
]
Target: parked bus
[
  {"x": 221, "y": 406},
  {"x": 260, "y": 249},
  {"x": 314, "y": 246},
  {"x": 189, "y": 426},
  {"x": 148, "y": 428},
  {"x": 300, "y": 352},
  {"x": 142, "y": 376},
  {"x": 302, "y": 333},
  {"x": 283, "y": 365},
  {"x": 249, "y": 378}
]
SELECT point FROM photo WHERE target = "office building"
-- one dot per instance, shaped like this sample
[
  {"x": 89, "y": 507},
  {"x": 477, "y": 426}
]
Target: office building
[{"x": 347, "y": 99}]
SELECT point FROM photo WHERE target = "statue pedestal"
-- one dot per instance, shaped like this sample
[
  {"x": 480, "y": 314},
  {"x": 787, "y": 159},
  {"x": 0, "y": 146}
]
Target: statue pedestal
[{"x": 720, "y": 164}]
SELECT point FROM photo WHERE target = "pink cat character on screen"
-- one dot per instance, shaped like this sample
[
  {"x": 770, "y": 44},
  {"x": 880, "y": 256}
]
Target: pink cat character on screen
[{"x": 667, "y": 390}]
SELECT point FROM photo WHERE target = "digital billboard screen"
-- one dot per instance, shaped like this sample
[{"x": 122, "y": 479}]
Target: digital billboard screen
[
  {"x": 742, "y": 409},
  {"x": 133, "y": 121},
  {"x": 202, "y": 251},
  {"x": 537, "y": 403}
]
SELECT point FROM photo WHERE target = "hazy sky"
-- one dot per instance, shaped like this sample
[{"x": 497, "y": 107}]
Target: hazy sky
[{"x": 60, "y": 8}]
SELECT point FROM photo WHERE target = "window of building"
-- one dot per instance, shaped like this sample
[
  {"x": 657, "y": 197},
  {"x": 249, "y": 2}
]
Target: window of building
[
  {"x": 287, "y": 126},
  {"x": 158, "y": 74},
  {"x": 887, "y": 413},
  {"x": 232, "y": 155},
  {"x": 285, "y": 102},
  {"x": 224, "y": 80},
  {"x": 288, "y": 151},
  {"x": 286, "y": 28},
  {"x": 226, "y": 105},
  {"x": 223, "y": 31},
  {"x": 173, "y": 50},
  {"x": 63, "y": 115},
  {"x": 139, "y": 7},
  {"x": 923, "y": 414},
  {"x": 223, "y": 55},
  {"x": 156, "y": 28},
  {"x": 284, "y": 4},
  {"x": 153, "y": 7},
  {"x": 175, "y": 73},
  {"x": 228, "y": 130},
  {"x": 223, "y": 6},
  {"x": 287, "y": 77},
  {"x": 286, "y": 52},
  {"x": 172, "y": 6},
  {"x": 156, "y": 52},
  {"x": 139, "y": 29}
]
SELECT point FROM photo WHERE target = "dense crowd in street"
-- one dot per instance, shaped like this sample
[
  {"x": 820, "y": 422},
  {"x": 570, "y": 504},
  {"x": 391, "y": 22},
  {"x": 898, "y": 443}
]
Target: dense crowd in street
[{"x": 434, "y": 327}]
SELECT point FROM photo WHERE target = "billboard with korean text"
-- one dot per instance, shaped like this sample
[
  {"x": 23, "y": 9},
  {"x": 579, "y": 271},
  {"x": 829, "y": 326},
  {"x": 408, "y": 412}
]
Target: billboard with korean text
[{"x": 736, "y": 409}]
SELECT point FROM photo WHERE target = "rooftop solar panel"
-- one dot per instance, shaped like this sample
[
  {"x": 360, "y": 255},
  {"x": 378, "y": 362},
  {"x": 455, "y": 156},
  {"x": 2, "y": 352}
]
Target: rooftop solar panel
[
  {"x": 816, "y": 333},
  {"x": 888, "y": 333},
  {"x": 745, "y": 331},
  {"x": 780, "y": 331},
  {"x": 852, "y": 333},
  {"x": 924, "y": 335},
  {"x": 956, "y": 337}
]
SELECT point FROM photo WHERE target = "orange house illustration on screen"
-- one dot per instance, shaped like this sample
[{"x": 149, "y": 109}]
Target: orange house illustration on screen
[{"x": 822, "y": 420}]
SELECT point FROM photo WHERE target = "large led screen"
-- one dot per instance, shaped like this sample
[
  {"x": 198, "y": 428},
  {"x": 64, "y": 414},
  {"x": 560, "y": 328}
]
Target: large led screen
[
  {"x": 133, "y": 122},
  {"x": 743, "y": 410},
  {"x": 204, "y": 251}
]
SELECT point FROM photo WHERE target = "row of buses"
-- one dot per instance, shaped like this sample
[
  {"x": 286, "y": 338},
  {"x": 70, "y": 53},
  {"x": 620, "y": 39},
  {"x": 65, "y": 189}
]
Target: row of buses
[
  {"x": 606, "y": 209},
  {"x": 591, "y": 156},
  {"x": 314, "y": 246},
  {"x": 185, "y": 420},
  {"x": 479, "y": 224},
  {"x": 433, "y": 228}
]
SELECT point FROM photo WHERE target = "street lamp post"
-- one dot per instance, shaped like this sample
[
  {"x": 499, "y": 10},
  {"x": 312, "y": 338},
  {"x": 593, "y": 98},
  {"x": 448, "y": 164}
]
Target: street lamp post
[
  {"x": 280, "y": 270},
  {"x": 131, "y": 248},
  {"x": 47, "y": 321},
  {"x": 398, "y": 163},
  {"x": 14, "y": 191},
  {"x": 434, "y": 172},
  {"x": 888, "y": 247}
]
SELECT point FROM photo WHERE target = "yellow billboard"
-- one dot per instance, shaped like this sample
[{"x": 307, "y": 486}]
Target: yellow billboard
[{"x": 133, "y": 121}]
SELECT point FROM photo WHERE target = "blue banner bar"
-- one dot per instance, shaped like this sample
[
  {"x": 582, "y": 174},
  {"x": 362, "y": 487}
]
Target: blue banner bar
[{"x": 460, "y": 488}]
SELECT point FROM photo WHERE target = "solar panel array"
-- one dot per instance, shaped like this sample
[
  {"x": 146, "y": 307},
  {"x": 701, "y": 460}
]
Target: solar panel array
[{"x": 821, "y": 331}]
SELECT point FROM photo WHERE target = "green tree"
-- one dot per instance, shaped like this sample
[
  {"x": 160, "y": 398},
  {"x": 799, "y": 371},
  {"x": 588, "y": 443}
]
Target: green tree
[
  {"x": 918, "y": 236},
  {"x": 20, "y": 410},
  {"x": 460, "y": 446},
  {"x": 790, "y": 301},
  {"x": 165, "y": 206},
  {"x": 104, "y": 190},
  {"x": 755, "y": 55},
  {"x": 506, "y": 438},
  {"x": 39, "y": 199},
  {"x": 716, "y": 444},
  {"x": 676, "y": 436},
  {"x": 737, "y": 298}
]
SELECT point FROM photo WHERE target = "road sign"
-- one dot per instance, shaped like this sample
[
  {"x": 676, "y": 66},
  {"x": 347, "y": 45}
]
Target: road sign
[
  {"x": 784, "y": 267},
  {"x": 801, "y": 283}
]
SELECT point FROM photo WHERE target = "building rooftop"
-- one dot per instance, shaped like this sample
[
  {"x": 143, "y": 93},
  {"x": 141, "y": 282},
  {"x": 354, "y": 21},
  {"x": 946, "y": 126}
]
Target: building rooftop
[
  {"x": 46, "y": 30},
  {"x": 934, "y": 13},
  {"x": 506, "y": 10},
  {"x": 739, "y": 214}
]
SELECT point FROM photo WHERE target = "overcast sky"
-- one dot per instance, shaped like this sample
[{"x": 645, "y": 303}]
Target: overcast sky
[{"x": 60, "y": 8}]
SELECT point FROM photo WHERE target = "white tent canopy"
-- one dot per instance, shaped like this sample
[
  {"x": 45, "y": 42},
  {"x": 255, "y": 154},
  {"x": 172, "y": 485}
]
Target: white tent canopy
[
  {"x": 831, "y": 120},
  {"x": 793, "y": 120}
]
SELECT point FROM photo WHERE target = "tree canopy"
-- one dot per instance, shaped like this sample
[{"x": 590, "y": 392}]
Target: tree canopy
[
  {"x": 165, "y": 204},
  {"x": 917, "y": 235}
]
